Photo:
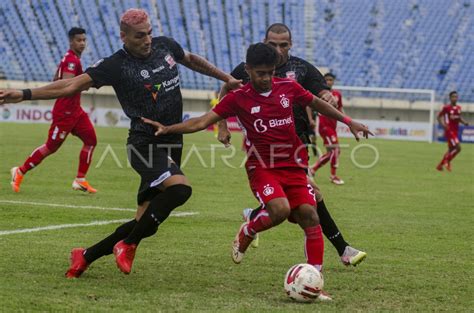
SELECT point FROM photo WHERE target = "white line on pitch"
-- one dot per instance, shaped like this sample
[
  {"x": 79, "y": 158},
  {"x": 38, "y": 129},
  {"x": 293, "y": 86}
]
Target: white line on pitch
[
  {"x": 67, "y": 205},
  {"x": 177, "y": 214},
  {"x": 51, "y": 227}
]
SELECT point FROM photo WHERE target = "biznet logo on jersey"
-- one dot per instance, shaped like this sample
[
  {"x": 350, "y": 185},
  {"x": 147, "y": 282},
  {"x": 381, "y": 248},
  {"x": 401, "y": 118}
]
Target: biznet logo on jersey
[{"x": 261, "y": 127}]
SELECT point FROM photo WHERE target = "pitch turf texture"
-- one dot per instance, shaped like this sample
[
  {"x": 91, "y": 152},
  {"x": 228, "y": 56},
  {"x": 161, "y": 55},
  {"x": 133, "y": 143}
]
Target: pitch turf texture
[{"x": 414, "y": 222}]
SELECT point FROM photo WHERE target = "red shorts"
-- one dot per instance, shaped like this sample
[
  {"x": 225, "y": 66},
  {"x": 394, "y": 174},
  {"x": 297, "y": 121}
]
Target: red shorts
[
  {"x": 290, "y": 183},
  {"x": 329, "y": 136},
  {"x": 452, "y": 139},
  {"x": 78, "y": 125}
]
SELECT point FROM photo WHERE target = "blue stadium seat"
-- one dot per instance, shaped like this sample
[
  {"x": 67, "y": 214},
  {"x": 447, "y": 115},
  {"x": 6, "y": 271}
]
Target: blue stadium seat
[{"x": 365, "y": 42}]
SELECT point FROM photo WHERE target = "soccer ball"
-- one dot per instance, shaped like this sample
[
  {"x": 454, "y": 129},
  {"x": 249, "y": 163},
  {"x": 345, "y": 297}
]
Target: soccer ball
[{"x": 303, "y": 283}]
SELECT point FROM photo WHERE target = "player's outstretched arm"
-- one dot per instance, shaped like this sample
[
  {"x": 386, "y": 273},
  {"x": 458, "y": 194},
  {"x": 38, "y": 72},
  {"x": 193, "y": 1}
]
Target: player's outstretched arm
[
  {"x": 58, "y": 89},
  {"x": 326, "y": 109},
  {"x": 203, "y": 66},
  {"x": 191, "y": 125}
]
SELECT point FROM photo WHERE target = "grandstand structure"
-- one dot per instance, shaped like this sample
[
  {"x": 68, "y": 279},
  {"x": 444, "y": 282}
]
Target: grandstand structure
[{"x": 421, "y": 44}]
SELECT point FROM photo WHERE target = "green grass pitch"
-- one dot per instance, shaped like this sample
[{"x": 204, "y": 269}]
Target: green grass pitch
[{"x": 415, "y": 223}]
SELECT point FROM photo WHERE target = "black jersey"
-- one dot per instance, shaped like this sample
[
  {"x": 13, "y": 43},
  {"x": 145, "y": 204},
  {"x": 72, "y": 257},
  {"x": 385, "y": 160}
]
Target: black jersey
[
  {"x": 145, "y": 88},
  {"x": 304, "y": 73}
]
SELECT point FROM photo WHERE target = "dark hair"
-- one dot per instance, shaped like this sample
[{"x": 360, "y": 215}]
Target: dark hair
[
  {"x": 261, "y": 54},
  {"x": 75, "y": 31},
  {"x": 330, "y": 75},
  {"x": 454, "y": 92},
  {"x": 278, "y": 28}
]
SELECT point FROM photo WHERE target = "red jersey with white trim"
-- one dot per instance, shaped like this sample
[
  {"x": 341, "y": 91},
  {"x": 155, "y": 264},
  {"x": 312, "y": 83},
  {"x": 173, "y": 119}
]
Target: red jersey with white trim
[
  {"x": 268, "y": 123},
  {"x": 327, "y": 122},
  {"x": 451, "y": 115},
  {"x": 68, "y": 106}
]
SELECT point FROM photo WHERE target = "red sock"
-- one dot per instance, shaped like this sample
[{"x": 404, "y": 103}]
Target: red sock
[
  {"x": 314, "y": 246},
  {"x": 85, "y": 158},
  {"x": 35, "y": 158},
  {"x": 260, "y": 223}
]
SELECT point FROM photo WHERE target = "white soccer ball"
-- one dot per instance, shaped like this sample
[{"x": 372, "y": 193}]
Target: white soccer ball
[{"x": 303, "y": 283}]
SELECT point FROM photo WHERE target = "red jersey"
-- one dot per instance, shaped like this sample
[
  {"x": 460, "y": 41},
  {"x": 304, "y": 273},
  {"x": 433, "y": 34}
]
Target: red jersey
[
  {"x": 69, "y": 106},
  {"x": 327, "y": 122},
  {"x": 451, "y": 115},
  {"x": 268, "y": 123}
]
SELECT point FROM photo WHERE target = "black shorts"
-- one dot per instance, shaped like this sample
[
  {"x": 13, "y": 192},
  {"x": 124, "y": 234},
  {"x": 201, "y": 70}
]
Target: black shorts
[{"x": 154, "y": 163}]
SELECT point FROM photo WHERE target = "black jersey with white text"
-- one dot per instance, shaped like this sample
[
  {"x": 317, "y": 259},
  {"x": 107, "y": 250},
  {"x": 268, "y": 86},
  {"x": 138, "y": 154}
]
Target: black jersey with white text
[
  {"x": 304, "y": 73},
  {"x": 147, "y": 87}
]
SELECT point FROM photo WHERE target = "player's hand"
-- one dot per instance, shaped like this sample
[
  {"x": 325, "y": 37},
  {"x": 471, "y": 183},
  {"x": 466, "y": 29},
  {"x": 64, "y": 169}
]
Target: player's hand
[
  {"x": 160, "y": 128},
  {"x": 10, "y": 96},
  {"x": 357, "y": 127},
  {"x": 312, "y": 124},
  {"x": 224, "y": 137},
  {"x": 233, "y": 83},
  {"x": 329, "y": 98}
]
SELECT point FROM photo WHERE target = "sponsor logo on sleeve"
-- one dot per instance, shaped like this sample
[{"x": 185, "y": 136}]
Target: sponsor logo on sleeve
[
  {"x": 145, "y": 74},
  {"x": 255, "y": 110},
  {"x": 71, "y": 66}
]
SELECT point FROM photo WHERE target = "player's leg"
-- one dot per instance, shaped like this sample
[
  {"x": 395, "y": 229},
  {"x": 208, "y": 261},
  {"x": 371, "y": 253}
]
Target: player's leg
[
  {"x": 334, "y": 160},
  {"x": 85, "y": 131},
  {"x": 164, "y": 185},
  {"x": 273, "y": 213},
  {"x": 275, "y": 209},
  {"x": 81, "y": 258},
  {"x": 58, "y": 132},
  {"x": 325, "y": 158}
]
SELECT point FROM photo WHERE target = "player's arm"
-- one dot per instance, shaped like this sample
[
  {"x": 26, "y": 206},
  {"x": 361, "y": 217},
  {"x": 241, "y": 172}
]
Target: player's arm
[
  {"x": 201, "y": 65},
  {"x": 191, "y": 125},
  {"x": 463, "y": 121},
  {"x": 309, "y": 113},
  {"x": 441, "y": 119},
  {"x": 223, "y": 134},
  {"x": 58, "y": 89},
  {"x": 326, "y": 109}
]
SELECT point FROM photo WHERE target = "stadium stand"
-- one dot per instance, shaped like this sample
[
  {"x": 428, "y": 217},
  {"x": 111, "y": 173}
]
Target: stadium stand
[{"x": 425, "y": 44}]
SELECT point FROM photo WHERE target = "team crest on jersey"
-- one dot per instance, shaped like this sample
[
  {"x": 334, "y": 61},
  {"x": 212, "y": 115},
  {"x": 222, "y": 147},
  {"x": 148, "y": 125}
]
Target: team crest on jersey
[
  {"x": 291, "y": 75},
  {"x": 71, "y": 66},
  {"x": 268, "y": 190},
  {"x": 154, "y": 90},
  {"x": 285, "y": 102},
  {"x": 170, "y": 60}
]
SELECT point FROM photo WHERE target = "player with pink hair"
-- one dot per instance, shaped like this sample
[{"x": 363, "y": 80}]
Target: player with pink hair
[{"x": 145, "y": 77}]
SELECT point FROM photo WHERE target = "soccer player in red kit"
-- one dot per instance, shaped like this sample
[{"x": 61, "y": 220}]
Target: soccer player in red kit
[
  {"x": 450, "y": 117},
  {"x": 276, "y": 155},
  {"x": 327, "y": 130},
  {"x": 68, "y": 117}
]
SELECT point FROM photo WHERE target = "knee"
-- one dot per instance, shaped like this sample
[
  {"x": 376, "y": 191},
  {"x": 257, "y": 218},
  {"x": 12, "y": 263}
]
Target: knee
[
  {"x": 90, "y": 141},
  {"x": 179, "y": 193},
  {"x": 279, "y": 212},
  {"x": 52, "y": 147}
]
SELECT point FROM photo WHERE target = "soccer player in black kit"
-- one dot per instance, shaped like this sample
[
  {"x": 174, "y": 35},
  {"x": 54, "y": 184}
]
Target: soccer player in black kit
[
  {"x": 144, "y": 75},
  {"x": 279, "y": 36}
]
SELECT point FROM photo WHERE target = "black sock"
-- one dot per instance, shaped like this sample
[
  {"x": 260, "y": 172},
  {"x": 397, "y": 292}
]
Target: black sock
[
  {"x": 255, "y": 212},
  {"x": 105, "y": 246},
  {"x": 330, "y": 229},
  {"x": 158, "y": 211}
]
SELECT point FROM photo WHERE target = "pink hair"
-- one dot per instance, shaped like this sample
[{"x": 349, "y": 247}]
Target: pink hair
[{"x": 133, "y": 17}]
